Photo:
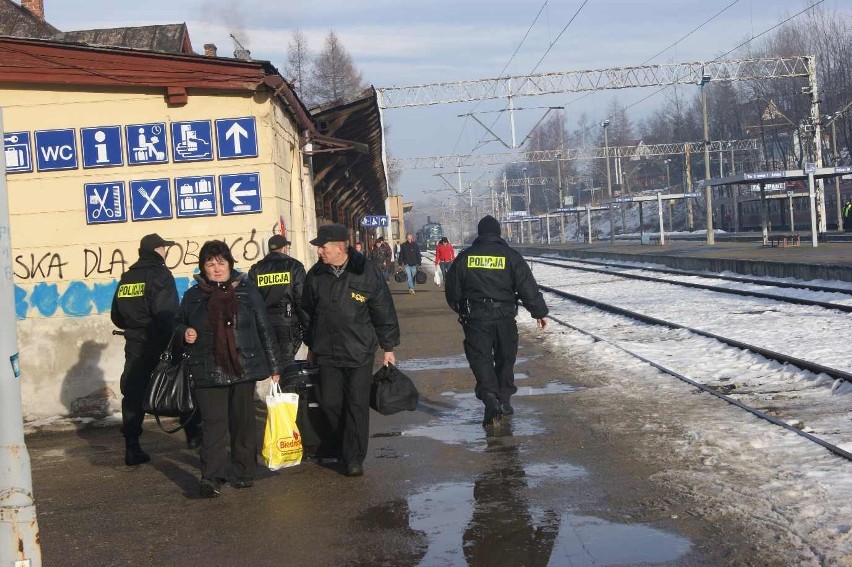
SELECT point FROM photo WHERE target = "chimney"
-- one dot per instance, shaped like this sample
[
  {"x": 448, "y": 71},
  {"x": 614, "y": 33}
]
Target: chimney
[
  {"x": 34, "y": 6},
  {"x": 210, "y": 49}
]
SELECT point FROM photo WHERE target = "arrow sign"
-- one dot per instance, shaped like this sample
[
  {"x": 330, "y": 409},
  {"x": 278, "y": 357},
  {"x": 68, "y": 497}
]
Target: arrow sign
[
  {"x": 236, "y": 132},
  {"x": 235, "y": 193}
]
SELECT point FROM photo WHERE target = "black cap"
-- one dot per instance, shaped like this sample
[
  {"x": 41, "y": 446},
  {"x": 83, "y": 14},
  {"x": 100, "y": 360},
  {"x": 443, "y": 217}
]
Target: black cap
[
  {"x": 488, "y": 225},
  {"x": 331, "y": 233},
  {"x": 153, "y": 241},
  {"x": 278, "y": 241}
]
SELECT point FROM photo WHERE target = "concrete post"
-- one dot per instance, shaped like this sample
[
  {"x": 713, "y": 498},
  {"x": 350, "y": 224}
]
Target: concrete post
[
  {"x": 660, "y": 215},
  {"x": 19, "y": 544}
]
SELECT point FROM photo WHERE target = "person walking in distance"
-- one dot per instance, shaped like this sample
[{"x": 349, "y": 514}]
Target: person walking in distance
[
  {"x": 410, "y": 258},
  {"x": 280, "y": 279},
  {"x": 382, "y": 257},
  {"x": 444, "y": 256},
  {"x": 144, "y": 306},
  {"x": 350, "y": 313},
  {"x": 483, "y": 286}
]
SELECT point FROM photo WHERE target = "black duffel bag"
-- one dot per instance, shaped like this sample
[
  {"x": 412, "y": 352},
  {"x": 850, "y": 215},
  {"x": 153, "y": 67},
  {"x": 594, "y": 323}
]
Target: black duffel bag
[
  {"x": 392, "y": 391},
  {"x": 400, "y": 276},
  {"x": 420, "y": 277}
]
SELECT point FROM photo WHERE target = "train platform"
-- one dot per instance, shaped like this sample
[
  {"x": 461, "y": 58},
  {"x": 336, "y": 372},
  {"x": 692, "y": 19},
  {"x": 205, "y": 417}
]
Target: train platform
[
  {"x": 828, "y": 261},
  {"x": 582, "y": 474}
]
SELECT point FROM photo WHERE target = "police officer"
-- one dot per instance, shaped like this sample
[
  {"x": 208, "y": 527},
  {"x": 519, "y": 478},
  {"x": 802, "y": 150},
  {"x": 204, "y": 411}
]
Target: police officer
[
  {"x": 483, "y": 286},
  {"x": 280, "y": 278},
  {"x": 350, "y": 313},
  {"x": 144, "y": 306}
]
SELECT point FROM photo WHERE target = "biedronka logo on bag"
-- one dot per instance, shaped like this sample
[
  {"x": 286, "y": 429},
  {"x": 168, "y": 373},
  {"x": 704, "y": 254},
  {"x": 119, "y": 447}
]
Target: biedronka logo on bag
[{"x": 282, "y": 443}]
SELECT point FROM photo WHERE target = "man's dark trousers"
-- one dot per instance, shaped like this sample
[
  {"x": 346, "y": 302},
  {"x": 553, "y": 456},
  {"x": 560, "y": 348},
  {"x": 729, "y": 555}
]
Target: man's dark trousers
[
  {"x": 344, "y": 395},
  {"x": 491, "y": 348},
  {"x": 289, "y": 340}
]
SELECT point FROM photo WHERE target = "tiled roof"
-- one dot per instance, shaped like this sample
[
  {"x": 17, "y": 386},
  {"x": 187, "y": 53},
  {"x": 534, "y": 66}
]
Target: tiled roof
[
  {"x": 169, "y": 38},
  {"x": 16, "y": 21}
]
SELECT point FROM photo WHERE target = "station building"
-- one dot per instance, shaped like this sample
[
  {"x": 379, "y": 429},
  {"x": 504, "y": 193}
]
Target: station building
[{"x": 104, "y": 144}]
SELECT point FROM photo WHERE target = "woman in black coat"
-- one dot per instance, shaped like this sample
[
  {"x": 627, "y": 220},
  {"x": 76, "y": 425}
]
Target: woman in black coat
[{"x": 232, "y": 346}]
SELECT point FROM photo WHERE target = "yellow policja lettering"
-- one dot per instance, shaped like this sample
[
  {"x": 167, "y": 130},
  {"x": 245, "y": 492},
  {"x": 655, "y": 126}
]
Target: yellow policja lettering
[
  {"x": 131, "y": 290},
  {"x": 277, "y": 278},
  {"x": 487, "y": 262}
]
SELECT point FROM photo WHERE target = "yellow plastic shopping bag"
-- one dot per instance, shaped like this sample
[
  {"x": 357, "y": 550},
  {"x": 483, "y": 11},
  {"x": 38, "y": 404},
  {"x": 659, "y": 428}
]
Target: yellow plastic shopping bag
[{"x": 282, "y": 444}]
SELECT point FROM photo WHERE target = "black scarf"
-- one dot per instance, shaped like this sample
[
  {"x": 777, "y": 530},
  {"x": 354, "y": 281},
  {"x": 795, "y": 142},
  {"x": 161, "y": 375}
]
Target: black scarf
[{"x": 222, "y": 312}]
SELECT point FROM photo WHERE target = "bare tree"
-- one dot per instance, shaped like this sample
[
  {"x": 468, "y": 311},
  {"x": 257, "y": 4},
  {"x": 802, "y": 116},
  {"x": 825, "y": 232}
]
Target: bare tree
[
  {"x": 298, "y": 66},
  {"x": 335, "y": 76}
]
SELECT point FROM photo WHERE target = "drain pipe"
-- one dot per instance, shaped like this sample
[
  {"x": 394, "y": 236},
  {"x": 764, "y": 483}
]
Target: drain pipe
[{"x": 19, "y": 544}]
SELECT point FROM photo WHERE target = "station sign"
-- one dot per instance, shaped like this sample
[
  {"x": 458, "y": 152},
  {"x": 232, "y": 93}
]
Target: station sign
[
  {"x": 763, "y": 175},
  {"x": 236, "y": 138},
  {"x": 624, "y": 199},
  {"x": 101, "y": 146},
  {"x": 17, "y": 151},
  {"x": 146, "y": 143},
  {"x": 692, "y": 195},
  {"x": 192, "y": 141},
  {"x": 843, "y": 169},
  {"x": 810, "y": 167},
  {"x": 105, "y": 202},
  {"x": 56, "y": 149},
  {"x": 194, "y": 196},
  {"x": 150, "y": 199},
  {"x": 375, "y": 221},
  {"x": 240, "y": 193}
]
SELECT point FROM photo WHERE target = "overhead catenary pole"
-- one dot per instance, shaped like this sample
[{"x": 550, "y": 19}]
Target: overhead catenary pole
[
  {"x": 708, "y": 189},
  {"x": 19, "y": 539}
]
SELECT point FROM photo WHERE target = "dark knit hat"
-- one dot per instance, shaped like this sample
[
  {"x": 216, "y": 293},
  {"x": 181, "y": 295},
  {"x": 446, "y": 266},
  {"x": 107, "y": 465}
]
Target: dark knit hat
[{"x": 488, "y": 225}]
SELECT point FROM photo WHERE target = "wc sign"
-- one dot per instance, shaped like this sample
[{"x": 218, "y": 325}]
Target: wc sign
[{"x": 56, "y": 149}]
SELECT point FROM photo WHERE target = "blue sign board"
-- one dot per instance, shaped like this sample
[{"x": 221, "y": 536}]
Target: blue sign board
[
  {"x": 192, "y": 141},
  {"x": 150, "y": 199},
  {"x": 105, "y": 202},
  {"x": 16, "y": 149},
  {"x": 236, "y": 138},
  {"x": 55, "y": 149},
  {"x": 146, "y": 143},
  {"x": 375, "y": 220},
  {"x": 240, "y": 193},
  {"x": 101, "y": 146},
  {"x": 194, "y": 196}
]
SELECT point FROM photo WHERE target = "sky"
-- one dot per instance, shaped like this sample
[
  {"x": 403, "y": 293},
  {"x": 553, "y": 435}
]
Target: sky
[{"x": 412, "y": 42}]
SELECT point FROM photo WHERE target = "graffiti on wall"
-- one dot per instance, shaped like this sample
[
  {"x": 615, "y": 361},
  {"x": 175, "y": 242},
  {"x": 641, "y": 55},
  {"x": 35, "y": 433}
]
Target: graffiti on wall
[{"x": 78, "y": 298}]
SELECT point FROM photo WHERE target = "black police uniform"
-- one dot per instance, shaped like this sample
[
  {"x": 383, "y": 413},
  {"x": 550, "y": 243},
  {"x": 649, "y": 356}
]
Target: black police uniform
[
  {"x": 280, "y": 279},
  {"x": 350, "y": 315},
  {"x": 144, "y": 306},
  {"x": 483, "y": 286}
]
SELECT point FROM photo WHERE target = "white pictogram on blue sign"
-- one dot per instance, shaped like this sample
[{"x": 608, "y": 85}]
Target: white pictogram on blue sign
[
  {"x": 240, "y": 193},
  {"x": 194, "y": 196},
  {"x": 101, "y": 146},
  {"x": 150, "y": 199},
  {"x": 105, "y": 202},
  {"x": 375, "y": 221},
  {"x": 146, "y": 143},
  {"x": 236, "y": 138},
  {"x": 56, "y": 149},
  {"x": 16, "y": 149},
  {"x": 192, "y": 141}
]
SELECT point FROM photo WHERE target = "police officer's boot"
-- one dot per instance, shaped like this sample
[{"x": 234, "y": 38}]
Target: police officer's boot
[
  {"x": 507, "y": 408},
  {"x": 133, "y": 453},
  {"x": 493, "y": 412}
]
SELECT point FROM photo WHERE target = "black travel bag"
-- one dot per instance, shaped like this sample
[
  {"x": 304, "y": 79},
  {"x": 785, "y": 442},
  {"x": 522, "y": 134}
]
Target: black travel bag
[
  {"x": 317, "y": 438},
  {"x": 420, "y": 277}
]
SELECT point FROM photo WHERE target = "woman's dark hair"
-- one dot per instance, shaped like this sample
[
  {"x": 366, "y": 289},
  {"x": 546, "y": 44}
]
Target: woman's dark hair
[
  {"x": 212, "y": 249},
  {"x": 445, "y": 240}
]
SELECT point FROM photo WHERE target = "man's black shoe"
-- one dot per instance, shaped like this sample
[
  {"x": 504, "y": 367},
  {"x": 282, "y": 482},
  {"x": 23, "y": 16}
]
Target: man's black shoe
[
  {"x": 244, "y": 483},
  {"x": 133, "y": 453},
  {"x": 194, "y": 442},
  {"x": 493, "y": 413},
  {"x": 354, "y": 470},
  {"x": 507, "y": 409},
  {"x": 210, "y": 488}
]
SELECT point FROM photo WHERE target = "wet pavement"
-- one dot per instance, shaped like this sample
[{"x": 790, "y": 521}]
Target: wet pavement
[{"x": 551, "y": 486}]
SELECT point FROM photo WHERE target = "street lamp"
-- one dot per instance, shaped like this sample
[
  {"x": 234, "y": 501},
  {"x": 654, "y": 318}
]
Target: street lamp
[
  {"x": 668, "y": 177},
  {"x": 605, "y": 125},
  {"x": 708, "y": 190}
]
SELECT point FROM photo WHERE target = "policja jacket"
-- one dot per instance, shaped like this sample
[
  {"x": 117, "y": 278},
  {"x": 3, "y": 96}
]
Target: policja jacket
[
  {"x": 487, "y": 279},
  {"x": 280, "y": 279},
  {"x": 349, "y": 315},
  {"x": 146, "y": 300}
]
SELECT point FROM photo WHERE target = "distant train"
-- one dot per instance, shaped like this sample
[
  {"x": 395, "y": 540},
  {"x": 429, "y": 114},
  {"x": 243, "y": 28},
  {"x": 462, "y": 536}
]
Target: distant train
[
  {"x": 429, "y": 236},
  {"x": 778, "y": 205}
]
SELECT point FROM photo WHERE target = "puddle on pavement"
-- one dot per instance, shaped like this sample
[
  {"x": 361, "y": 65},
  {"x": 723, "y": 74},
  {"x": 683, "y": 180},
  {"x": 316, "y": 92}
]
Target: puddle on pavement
[
  {"x": 521, "y": 376},
  {"x": 443, "y": 363}
]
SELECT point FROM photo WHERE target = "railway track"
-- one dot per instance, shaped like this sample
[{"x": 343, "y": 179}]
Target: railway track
[{"x": 788, "y": 389}]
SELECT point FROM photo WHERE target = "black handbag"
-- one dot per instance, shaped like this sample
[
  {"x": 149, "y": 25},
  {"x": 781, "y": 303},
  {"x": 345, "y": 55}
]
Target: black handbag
[
  {"x": 420, "y": 277},
  {"x": 400, "y": 276},
  {"x": 169, "y": 391},
  {"x": 392, "y": 391}
]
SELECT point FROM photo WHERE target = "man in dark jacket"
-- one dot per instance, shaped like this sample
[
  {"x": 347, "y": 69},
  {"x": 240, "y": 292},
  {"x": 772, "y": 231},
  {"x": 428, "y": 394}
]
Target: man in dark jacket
[
  {"x": 280, "y": 279},
  {"x": 144, "y": 306},
  {"x": 483, "y": 286},
  {"x": 409, "y": 258},
  {"x": 382, "y": 257},
  {"x": 350, "y": 313}
]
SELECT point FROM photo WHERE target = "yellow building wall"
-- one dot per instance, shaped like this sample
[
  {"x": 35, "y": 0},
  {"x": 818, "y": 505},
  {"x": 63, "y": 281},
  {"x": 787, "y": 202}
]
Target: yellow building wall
[{"x": 65, "y": 270}]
